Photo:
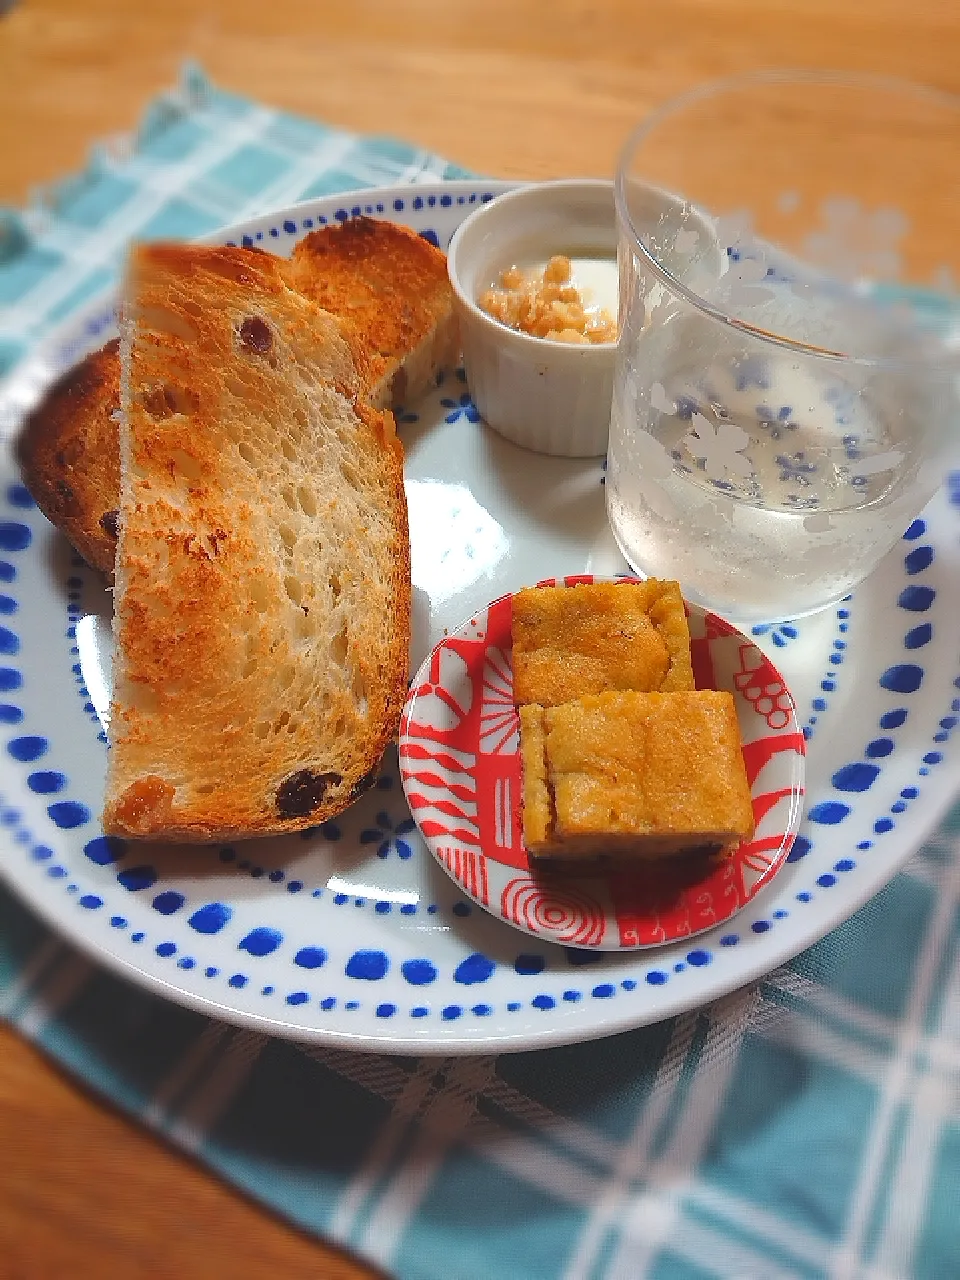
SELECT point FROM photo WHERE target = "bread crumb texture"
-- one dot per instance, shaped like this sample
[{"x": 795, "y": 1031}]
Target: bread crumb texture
[
  {"x": 390, "y": 289},
  {"x": 262, "y": 575}
]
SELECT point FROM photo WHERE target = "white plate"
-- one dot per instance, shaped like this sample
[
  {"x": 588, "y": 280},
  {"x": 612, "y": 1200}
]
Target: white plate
[
  {"x": 459, "y": 750},
  {"x": 353, "y": 935}
]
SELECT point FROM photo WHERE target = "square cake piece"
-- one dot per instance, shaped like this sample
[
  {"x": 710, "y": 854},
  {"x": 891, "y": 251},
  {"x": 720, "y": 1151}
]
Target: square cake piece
[
  {"x": 638, "y": 775},
  {"x": 571, "y": 641}
]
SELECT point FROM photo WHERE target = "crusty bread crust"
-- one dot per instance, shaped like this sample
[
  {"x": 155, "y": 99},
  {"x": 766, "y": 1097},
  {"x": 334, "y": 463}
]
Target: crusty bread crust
[
  {"x": 262, "y": 604},
  {"x": 390, "y": 289},
  {"x": 68, "y": 453}
]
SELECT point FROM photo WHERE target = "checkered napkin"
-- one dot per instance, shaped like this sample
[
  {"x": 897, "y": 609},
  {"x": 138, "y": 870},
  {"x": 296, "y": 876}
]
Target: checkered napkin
[{"x": 805, "y": 1126}]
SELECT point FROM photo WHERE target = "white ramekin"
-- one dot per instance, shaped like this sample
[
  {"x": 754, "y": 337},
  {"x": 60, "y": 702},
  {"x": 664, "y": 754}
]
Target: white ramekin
[{"x": 550, "y": 396}]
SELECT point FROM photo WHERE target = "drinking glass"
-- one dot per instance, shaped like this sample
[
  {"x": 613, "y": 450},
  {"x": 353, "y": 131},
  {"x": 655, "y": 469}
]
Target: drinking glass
[{"x": 783, "y": 408}]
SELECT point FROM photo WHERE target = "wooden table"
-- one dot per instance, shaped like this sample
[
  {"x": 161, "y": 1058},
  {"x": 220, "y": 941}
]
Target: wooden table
[{"x": 505, "y": 87}]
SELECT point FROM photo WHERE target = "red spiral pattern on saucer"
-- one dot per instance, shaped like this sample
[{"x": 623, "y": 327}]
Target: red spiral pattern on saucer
[{"x": 568, "y": 915}]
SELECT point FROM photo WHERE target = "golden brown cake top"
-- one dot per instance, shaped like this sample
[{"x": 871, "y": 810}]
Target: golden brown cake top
[
  {"x": 571, "y": 641},
  {"x": 640, "y": 773}
]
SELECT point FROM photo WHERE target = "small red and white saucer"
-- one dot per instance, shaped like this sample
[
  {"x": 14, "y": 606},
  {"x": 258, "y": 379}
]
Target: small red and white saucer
[{"x": 461, "y": 770}]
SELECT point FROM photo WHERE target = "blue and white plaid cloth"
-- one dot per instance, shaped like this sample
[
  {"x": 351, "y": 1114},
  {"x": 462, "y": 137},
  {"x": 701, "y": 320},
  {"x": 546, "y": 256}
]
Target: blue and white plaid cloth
[{"x": 805, "y": 1126}]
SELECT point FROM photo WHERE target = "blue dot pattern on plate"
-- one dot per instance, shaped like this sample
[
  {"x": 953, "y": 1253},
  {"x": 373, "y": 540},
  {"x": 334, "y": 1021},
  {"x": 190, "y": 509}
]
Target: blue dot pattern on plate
[
  {"x": 901, "y": 680},
  {"x": 137, "y": 878},
  {"x": 476, "y": 968},
  {"x": 261, "y": 941},
  {"x": 368, "y": 964},
  {"x": 828, "y": 682},
  {"x": 211, "y": 917},
  {"x": 419, "y": 973}
]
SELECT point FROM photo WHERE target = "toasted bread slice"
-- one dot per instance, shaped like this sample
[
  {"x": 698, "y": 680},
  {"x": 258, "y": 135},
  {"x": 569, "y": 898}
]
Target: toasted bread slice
[
  {"x": 391, "y": 287},
  {"x": 67, "y": 451},
  {"x": 262, "y": 597},
  {"x": 388, "y": 286}
]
